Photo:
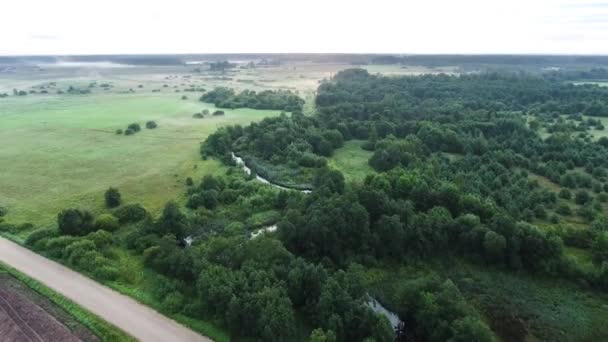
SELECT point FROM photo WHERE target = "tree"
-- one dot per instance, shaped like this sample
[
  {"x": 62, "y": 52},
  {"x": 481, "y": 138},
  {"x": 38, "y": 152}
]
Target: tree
[
  {"x": 582, "y": 197},
  {"x": 172, "y": 221},
  {"x": 151, "y": 125},
  {"x": 494, "y": 246},
  {"x": 112, "y": 198},
  {"x": 389, "y": 236},
  {"x": 107, "y": 222},
  {"x": 134, "y": 127},
  {"x": 75, "y": 222},
  {"x": 318, "y": 335},
  {"x": 599, "y": 249}
]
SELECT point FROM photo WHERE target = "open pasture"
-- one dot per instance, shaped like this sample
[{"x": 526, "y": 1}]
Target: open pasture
[{"x": 62, "y": 151}]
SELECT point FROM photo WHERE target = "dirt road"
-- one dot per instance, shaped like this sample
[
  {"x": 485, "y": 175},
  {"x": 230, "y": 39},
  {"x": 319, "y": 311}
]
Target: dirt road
[{"x": 134, "y": 318}]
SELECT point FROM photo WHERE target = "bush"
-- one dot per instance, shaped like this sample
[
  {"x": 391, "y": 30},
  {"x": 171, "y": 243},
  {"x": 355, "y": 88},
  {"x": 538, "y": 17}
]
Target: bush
[
  {"x": 134, "y": 127},
  {"x": 582, "y": 197},
  {"x": 107, "y": 222},
  {"x": 565, "y": 194},
  {"x": 106, "y": 273},
  {"x": 131, "y": 213},
  {"x": 75, "y": 222},
  {"x": 184, "y": 97},
  {"x": 129, "y": 131},
  {"x": 151, "y": 125},
  {"x": 119, "y": 131},
  {"x": 189, "y": 181},
  {"x": 79, "y": 254},
  {"x": 100, "y": 238},
  {"x": 564, "y": 210},
  {"x": 40, "y": 234},
  {"x": 198, "y": 116},
  {"x": 3, "y": 211},
  {"x": 218, "y": 112},
  {"x": 112, "y": 197},
  {"x": 173, "y": 302},
  {"x": 56, "y": 246}
]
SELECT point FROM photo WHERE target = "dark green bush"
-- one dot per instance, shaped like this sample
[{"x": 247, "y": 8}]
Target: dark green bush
[
  {"x": 134, "y": 127},
  {"x": 131, "y": 213},
  {"x": 107, "y": 222},
  {"x": 112, "y": 198},
  {"x": 151, "y": 125},
  {"x": 129, "y": 131},
  {"x": 75, "y": 222},
  {"x": 40, "y": 234}
]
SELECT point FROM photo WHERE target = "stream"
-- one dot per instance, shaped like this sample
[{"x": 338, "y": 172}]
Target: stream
[
  {"x": 241, "y": 163},
  {"x": 371, "y": 303},
  {"x": 378, "y": 308}
]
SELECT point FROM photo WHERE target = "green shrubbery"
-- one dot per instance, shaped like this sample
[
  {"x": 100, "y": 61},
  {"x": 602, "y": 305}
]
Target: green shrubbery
[
  {"x": 131, "y": 213},
  {"x": 75, "y": 222},
  {"x": 112, "y": 198},
  {"x": 280, "y": 100},
  {"x": 107, "y": 222},
  {"x": 151, "y": 125}
]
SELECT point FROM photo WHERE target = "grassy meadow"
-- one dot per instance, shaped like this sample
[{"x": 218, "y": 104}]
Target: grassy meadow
[
  {"x": 351, "y": 160},
  {"x": 59, "y": 151}
]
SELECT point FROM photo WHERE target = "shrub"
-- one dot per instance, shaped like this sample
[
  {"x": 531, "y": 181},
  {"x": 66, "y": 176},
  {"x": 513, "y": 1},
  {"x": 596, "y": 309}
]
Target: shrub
[
  {"x": 564, "y": 210},
  {"x": 189, "y": 181},
  {"x": 3, "y": 211},
  {"x": 119, "y": 131},
  {"x": 151, "y": 125},
  {"x": 100, "y": 238},
  {"x": 129, "y": 131},
  {"x": 112, "y": 197},
  {"x": 106, "y": 273},
  {"x": 205, "y": 112},
  {"x": 218, "y": 112},
  {"x": 173, "y": 302},
  {"x": 184, "y": 97},
  {"x": 582, "y": 197},
  {"x": 198, "y": 116},
  {"x": 565, "y": 194},
  {"x": 131, "y": 213},
  {"x": 134, "y": 127},
  {"x": 75, "y": 222},
  {"x": 40, "y": 234},
  {"x": 107, "y": 222},
  {"x": 56, "y": 246}
]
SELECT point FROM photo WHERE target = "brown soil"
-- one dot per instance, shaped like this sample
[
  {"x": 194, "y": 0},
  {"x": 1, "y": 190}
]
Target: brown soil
[{"x": 27, "y": 316}]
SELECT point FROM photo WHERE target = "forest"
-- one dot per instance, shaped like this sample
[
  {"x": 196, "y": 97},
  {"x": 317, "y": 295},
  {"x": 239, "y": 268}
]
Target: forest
[{"x": 462, "y": 168}]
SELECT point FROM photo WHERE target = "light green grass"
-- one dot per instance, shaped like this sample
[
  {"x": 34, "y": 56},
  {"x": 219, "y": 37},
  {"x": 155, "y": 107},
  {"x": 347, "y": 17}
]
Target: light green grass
[
  {"x": 61, "y": 151},
  {"x": 102, "y": 329},
  {"x": 351, "y": 160}
]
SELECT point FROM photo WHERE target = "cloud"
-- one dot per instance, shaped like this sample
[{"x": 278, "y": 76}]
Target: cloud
[{"x": 44, "y": 37}]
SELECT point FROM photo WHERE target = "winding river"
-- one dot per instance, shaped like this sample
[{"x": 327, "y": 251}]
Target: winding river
[
  {"x": 372, "y": 302},
  {"x": 241, "y": 163}
]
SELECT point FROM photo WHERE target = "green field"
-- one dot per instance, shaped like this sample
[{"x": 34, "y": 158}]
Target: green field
[
  {"x": 60, "y": 151},
  {"x": 351, "y": 160}
]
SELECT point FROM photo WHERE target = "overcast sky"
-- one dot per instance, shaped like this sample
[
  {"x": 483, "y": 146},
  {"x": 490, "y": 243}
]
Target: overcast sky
[{"x": 391, "y": 26}]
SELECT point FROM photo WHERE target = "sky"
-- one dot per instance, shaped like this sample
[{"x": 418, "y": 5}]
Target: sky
[{"x": 68, "y": 27}]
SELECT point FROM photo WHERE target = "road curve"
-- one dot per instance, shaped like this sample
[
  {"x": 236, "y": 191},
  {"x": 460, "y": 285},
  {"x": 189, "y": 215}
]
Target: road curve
[{"x": 134, "y": 318}]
